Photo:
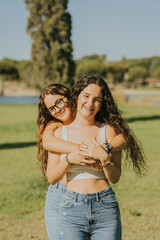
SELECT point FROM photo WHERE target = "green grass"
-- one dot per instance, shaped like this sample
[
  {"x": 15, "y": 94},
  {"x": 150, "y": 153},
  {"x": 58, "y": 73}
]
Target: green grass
[{"x": 23, "y": 194}]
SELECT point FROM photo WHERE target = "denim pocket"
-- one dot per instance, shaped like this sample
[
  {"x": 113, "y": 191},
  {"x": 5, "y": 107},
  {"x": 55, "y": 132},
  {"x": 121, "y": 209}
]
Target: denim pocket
[
  {"x": 109, "y": 201},
  {"x": 67, "y": 201}
]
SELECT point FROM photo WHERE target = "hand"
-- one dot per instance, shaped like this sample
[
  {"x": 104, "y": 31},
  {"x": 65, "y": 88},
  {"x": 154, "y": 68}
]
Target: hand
[
  {"x": 76, "y": 158},
  {"x": 95, "y": 151}
]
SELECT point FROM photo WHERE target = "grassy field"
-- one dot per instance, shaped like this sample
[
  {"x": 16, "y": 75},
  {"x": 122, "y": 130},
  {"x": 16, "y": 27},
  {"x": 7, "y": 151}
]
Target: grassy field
[{"x": 23, "y": 194}]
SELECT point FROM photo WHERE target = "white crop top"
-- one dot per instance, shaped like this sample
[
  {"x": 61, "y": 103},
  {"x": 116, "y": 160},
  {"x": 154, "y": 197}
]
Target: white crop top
[{"x": 85, "y": 172}]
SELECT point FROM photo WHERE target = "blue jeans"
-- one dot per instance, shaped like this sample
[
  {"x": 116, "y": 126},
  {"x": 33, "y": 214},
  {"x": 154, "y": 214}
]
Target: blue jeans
[
  {"x": 93, "y": 216},
  {"x": 52, "y": 204}
]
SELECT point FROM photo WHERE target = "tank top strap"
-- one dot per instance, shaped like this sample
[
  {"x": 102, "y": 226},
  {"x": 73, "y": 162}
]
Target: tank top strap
[
  {"x": 102, "y": 134},
  {"x": 64, "y": 137},
  {"x": 64, "y": 132}
]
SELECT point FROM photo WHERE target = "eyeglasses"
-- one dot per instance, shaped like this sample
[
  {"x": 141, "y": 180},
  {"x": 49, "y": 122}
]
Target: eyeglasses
[{"x": 58, "y": 104}]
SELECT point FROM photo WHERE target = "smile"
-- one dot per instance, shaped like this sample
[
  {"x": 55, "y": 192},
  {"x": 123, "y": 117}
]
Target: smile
[
  {"x": 61, "y": 113},
  {"x": 88, "y": 108}
]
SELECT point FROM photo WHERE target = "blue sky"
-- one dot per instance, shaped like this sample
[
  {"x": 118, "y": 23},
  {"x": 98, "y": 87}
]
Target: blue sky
[{"x": 116, "y": 28}]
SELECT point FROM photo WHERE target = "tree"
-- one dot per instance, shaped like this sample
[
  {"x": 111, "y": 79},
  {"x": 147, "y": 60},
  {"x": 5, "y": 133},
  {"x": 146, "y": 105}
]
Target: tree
[
  {"x": 7, "y": 72},
  {"x": 155, "y": 64},
  {"x": 156, "y": 73},
  {"x": 49, "y": 26},
  {"x": 137, "y": 72},
  {"x": 117, "y": 71},
  {"x": 92, "y": 64}
]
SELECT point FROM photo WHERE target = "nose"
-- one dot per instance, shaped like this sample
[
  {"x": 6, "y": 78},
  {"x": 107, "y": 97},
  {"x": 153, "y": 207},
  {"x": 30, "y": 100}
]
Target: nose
[
  {"x": 57, "y": 109},
  {"x": 90, "y": 101}
]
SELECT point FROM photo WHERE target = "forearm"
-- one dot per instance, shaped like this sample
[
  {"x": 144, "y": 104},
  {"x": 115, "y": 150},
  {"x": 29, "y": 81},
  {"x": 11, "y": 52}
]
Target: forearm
[
  {"x": 56, "y": 173},
  {"x": 113, "y": 169},
  {"x": 52, "y": 143},
  {"x": 112, "y": 173}
]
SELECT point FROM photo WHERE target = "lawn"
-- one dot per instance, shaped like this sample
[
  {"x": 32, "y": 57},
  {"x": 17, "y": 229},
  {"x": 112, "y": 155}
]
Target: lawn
[{"x": 23, "y": 194}]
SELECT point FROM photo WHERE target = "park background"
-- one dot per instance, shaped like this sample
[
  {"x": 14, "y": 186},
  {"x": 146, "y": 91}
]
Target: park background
[{"x": 119, "y": 40}]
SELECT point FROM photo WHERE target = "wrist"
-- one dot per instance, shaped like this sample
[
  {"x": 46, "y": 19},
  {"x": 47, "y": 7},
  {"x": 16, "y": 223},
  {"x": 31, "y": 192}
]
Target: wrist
[
  {"x": 107, "y": 161},
  {"x": 107, "y": 147},
  {"x": 68, "y": 160}
]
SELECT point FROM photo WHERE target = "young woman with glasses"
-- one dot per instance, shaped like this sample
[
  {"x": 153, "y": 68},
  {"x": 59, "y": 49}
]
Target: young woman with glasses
[{"x": 54, "y": 110}]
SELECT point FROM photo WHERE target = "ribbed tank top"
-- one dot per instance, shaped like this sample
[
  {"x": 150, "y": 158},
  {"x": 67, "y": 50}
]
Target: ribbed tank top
[{"x": 85, "y": 172}]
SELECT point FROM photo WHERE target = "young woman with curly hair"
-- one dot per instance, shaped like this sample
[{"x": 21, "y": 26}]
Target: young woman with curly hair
[
  {"x": 54, "y": 110},
  {"x": 89, "y": 208}
]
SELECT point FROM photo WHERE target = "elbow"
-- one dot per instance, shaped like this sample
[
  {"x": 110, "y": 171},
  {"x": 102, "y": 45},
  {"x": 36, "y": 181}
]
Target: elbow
[
  {"x": 45, "y": 145},
  {"x": 51, "y": 181},
  {"x": 115, "y": 180}
]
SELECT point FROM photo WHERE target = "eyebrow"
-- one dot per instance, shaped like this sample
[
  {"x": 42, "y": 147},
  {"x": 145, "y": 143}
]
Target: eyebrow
[{"x": 90, "y": 94}]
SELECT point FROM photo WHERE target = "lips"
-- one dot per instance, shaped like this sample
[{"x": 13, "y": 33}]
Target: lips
[
  {"x": 61, "y": 113},
  {"x": 88, "y": 108}
]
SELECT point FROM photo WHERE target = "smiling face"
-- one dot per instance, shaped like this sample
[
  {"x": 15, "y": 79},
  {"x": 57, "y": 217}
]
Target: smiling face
[
  {"x": 89, "y": 101},
  {"x": 63, "y": 114}
]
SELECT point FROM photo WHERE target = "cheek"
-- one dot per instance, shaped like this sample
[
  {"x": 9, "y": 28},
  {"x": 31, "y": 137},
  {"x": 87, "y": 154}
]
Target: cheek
[{"x": 98, "y": 105}]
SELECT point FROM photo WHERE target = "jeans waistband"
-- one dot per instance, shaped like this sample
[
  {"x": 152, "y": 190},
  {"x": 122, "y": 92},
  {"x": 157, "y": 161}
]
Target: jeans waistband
[
  {"x": 90, "y": 196},
  {"x": 59, "y": 185}
]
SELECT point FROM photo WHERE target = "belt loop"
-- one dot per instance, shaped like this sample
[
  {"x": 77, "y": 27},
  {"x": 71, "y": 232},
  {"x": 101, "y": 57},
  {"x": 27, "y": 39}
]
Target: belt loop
[
  {"x": 57, "y": 185},
  {"x": 97, "y": 197},
  {"x": 76, "y": 197},
  {"x": 64, "y": 187}
]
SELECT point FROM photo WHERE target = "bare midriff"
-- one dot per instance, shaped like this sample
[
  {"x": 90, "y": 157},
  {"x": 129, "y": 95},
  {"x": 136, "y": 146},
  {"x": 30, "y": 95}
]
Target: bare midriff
[{"x": 87, "y": 185}]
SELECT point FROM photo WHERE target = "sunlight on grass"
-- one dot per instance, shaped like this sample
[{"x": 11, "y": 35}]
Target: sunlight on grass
[{"x": 23, "y": 194}]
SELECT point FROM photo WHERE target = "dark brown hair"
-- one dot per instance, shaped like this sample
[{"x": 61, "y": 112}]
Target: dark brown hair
[
  {"x": 44, "y": 118},
  {"x": 110, "y": 114}
]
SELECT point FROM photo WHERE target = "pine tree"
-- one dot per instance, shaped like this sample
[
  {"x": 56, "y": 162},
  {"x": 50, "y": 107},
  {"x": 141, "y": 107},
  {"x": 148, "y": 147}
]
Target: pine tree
[{"x": 49, "y": 26}]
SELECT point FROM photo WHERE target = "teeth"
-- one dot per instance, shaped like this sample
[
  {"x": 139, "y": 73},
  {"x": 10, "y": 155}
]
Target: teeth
[
  {"x": 61, "y": 113},
  {"x": 90, "y": 109}
]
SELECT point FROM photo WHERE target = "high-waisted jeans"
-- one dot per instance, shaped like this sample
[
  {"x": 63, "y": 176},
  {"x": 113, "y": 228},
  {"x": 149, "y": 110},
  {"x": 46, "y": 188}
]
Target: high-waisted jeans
[
  {"x": 93, "y": 216},
  {"x": 52, "y": 205}
]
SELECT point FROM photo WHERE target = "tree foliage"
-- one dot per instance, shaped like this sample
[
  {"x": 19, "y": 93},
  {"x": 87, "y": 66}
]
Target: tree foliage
[
  {"x": 137, "y": 72},
  {"x": 93, "y": 64},
  {"x": 49, "y": 26},
  {"x": 8, "y": 70},
  {"x": 117, "y": 71}
]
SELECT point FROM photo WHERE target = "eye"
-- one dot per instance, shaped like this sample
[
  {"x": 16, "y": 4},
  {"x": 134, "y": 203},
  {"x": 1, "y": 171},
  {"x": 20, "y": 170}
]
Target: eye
[
  {"x": 86, "y": 96},
  {"x": 97, "y": 100},
  {"x": 51, "y": 108},
  {"x": 59, "y": 101}
]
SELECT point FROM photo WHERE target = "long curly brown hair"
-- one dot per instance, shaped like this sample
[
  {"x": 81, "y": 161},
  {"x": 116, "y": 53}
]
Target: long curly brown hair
[
  {"x": 44, "y": 118},
  {"x": 110, "y": 114}
]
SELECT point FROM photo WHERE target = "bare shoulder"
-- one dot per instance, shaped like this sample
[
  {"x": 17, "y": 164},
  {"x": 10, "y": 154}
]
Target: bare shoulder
[
  {"x": 54, "y": 125},
  {"x": 110, "y": 132}
]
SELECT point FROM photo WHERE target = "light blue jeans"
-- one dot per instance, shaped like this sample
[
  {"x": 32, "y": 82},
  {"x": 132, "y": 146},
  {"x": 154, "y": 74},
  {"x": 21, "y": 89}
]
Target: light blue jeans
[
  {"x": 52, "y": 205},
  {"x": 93, "y": 216}
]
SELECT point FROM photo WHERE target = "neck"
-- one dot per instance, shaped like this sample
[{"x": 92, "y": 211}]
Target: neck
[
  {"x": 70, "y": 120},
  {"x": 80, "y": 121}
]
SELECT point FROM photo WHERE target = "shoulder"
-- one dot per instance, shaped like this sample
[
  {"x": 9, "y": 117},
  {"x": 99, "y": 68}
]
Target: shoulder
[
  {"x": 54, "y": 125},
  {"x": 110, "y": 132}
]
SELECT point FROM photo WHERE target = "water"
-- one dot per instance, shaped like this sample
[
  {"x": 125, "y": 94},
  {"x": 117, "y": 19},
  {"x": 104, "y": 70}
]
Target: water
[{"x": 19, "y": 100}]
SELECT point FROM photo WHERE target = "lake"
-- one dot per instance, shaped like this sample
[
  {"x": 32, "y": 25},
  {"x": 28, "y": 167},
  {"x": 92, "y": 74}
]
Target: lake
[{"x": 18, "y": 99}]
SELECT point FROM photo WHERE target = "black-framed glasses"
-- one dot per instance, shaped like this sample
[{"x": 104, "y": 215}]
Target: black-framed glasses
[{"x": 60, "y": 103}]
